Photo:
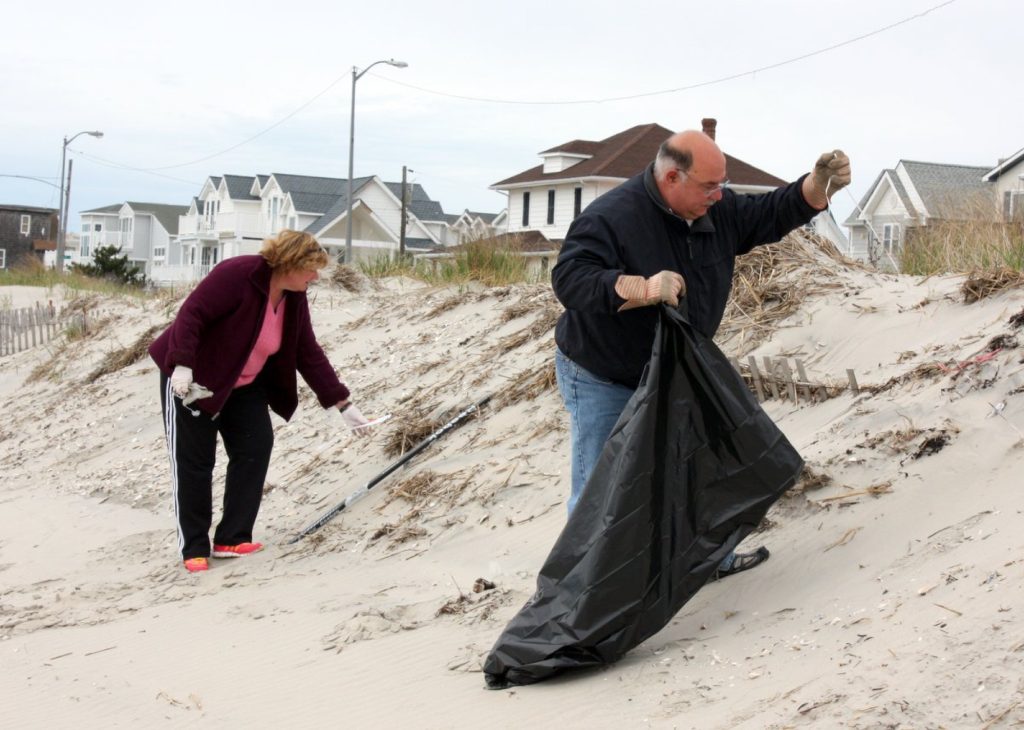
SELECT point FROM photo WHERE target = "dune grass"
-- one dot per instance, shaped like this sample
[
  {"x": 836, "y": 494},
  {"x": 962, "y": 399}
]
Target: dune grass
[
  {"x": 477, "y": 261},
  {"x": 31, "y": 272},
  {"x": 966, "y": 237}
]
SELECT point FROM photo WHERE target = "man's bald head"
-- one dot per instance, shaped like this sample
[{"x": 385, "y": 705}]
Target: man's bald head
[
  {"x": 686, "y": 150},
  {"x": 689, "y": 171}
]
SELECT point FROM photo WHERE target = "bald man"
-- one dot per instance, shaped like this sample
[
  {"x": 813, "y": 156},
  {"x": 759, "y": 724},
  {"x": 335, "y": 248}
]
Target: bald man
[{"x": 675, "y": 228}]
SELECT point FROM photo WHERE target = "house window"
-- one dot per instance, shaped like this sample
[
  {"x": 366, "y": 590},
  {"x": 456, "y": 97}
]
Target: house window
[
  {"x": 577, "y": 201},
  {"x": 1016, "y": 212},
  {"x": 526, "y": 208},
  {"x": 159, "y": 253},
  {"x": 551, "y": 207},
  {"x": 3, "y": 258},
  {"x": 891, "y": 237},
  {"x": 85, "y": 245},
  {"x": 26, "y": 225}
]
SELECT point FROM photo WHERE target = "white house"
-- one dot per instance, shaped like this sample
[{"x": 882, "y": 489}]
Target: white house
[
  {"x": 547, "y": 198},
  {"x": 915, "y": 194},
  {"x": 145, "y": 232},
  {"x": 233, "y": 214},
  {"x": 1007, "y": 179},
  {"x": 376, "y": 214}
]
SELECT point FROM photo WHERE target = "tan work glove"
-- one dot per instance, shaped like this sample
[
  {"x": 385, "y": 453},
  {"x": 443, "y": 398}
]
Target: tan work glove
[
  {"x": 831, "y": 173},
  {"x": 665, "y": 286}
]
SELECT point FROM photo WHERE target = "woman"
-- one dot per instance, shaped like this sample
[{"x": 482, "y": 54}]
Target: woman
[{"x": 230, "y": 354}]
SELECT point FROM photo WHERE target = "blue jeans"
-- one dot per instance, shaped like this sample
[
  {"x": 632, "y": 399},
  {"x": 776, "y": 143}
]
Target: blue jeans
[{"x": 594, "y": 405}]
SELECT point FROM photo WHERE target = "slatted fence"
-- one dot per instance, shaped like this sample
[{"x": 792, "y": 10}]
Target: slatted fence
[
  {"x": 28, "y": 327},
  {"x": 776, "y": 378}
]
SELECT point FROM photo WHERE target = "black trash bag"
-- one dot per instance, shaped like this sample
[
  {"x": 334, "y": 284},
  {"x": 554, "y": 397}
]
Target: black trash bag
[{"x": 691, "y": 467}]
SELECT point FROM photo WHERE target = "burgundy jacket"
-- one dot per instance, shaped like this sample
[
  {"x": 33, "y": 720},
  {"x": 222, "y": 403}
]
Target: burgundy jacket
[{"x": 216, "y": 329}]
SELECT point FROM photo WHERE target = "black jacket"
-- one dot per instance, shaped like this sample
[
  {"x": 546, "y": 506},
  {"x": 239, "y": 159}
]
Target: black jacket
[{"x": 630, "y": 230}]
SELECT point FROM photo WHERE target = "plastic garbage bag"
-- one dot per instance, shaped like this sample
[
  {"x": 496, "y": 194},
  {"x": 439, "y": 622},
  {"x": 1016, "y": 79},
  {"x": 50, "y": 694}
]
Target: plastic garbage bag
[{"x": 691, "y": 467}]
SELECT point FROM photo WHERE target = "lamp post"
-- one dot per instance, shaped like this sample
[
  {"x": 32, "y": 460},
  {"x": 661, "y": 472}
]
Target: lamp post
[
  {"x": 356, "y": 75},
  {"x": 65, "y": 198}
]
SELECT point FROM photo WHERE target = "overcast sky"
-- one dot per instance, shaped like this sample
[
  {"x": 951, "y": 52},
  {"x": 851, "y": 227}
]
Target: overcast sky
[{"x": 180, "y": 91}]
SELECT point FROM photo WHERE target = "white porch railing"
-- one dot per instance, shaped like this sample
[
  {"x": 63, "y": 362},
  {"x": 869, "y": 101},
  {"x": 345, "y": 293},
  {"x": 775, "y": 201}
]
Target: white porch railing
[{"x": 166, "y": 275}]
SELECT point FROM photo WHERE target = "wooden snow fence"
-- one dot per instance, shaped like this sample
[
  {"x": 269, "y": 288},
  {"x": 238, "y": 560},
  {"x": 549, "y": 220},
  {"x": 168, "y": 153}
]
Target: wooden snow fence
[
  {"x": 776, "y": 378},
  {"x": 21, "y": 329}
]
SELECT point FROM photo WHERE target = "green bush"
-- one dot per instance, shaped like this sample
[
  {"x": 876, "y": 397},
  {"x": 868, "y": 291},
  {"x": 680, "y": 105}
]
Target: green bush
[{"x": 111, "y": 267}]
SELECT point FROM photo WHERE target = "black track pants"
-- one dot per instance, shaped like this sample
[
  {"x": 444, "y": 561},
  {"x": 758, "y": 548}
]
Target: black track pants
[{"x": 244, "y": 425}]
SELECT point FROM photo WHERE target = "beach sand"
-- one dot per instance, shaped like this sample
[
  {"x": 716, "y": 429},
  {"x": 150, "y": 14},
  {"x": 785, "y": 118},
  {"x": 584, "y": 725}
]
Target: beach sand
[{"x": 892, "y": 599}]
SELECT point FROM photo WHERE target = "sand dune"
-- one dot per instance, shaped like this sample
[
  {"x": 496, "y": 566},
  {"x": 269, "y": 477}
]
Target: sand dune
[{"x": 892, "y": 598}]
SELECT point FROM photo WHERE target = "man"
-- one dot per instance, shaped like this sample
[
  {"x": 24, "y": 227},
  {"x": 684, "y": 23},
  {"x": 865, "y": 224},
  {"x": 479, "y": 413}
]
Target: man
[{"x": 674, "y": 229}]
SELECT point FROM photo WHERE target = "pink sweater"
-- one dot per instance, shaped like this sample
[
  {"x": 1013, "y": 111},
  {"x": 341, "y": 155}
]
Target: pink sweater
[{"x": 268, "y": 343}]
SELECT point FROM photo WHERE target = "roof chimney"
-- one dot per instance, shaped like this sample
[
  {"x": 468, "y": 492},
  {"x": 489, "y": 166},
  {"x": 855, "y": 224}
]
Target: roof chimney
[{"x": 707, "y": 125}]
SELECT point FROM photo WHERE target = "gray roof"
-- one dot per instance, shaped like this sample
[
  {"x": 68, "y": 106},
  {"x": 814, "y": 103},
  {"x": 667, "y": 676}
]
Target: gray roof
[
  {"x": 262, "y": 179},
  {"x": 338, "y": 206},
  {"x": 166, "y": 214},
  {"x": 239, "y": 187},
  {"x": 948, "y": 191},
  {"x": 28, "y": 209},
  {"x": 104, "y": 209},
  {"x": 215, "y": 180},
  {"x": 485, "y": 217},
  {"x": 311, "y": 185}
]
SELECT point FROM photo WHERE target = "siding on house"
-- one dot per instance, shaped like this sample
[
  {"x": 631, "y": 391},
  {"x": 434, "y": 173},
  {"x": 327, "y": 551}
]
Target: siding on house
[{"x": 16, "y": 245}]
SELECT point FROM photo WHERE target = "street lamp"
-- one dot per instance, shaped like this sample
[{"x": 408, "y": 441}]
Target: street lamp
[
  {"x": 62, "y": 216},
  {"x": 356, "y": 75}
]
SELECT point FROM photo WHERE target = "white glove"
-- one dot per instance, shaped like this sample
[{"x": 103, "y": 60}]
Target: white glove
[
  {"x": 181, "y": 379},
  {"x": 355, "y": 419}
]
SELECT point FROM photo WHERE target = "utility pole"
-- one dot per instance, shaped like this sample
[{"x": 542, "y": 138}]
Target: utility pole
[
  {"x": 64, "y": 221},
  {"x": 401, "y": 225}
]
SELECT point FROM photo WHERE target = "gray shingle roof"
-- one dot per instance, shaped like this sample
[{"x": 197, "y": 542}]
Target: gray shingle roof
[
  {"x": 240, "y": 187},
  {"x": 166, "y": 214},
  {"x": 312, "y": 185},
  {"x": 338, "y": 206},
  {"x": 105, "y": 209},
  {"x": 948, "y": 191}
]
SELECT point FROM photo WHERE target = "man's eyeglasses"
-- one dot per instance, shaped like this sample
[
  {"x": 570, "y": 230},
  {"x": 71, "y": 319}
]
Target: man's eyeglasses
[{"x": 709, "y": 189}]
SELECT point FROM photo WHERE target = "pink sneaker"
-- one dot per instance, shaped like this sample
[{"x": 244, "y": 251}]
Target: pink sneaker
[
  {"x": 197, "y": 565},
  {"x": 236, "y": 551}
]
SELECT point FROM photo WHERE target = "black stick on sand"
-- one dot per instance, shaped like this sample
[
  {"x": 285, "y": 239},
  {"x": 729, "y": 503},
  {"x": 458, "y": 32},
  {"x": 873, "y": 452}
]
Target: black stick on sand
[{"x": 361, "y": 492}]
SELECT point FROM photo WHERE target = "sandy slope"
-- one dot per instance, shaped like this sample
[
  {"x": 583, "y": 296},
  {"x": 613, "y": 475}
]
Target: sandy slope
[{"x": 900, "y": 608}]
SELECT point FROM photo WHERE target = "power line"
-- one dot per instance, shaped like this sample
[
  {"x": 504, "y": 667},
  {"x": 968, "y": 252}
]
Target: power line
[
  {"x": 117, "y": 165},
  {"x": 701, "y": 84},
  {"x": 278, "y": 123},
  {"x": 711, "y": 82}
]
